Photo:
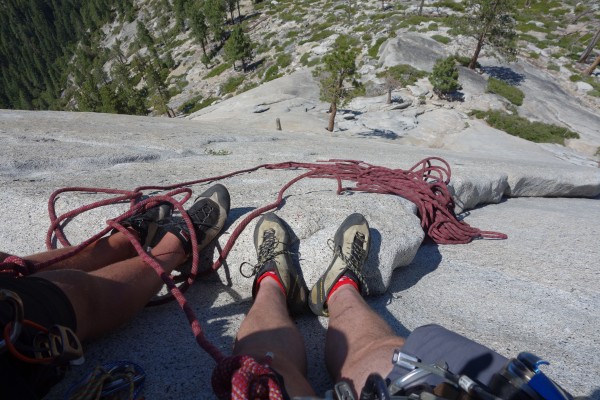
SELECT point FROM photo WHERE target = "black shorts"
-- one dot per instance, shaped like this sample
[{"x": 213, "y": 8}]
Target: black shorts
[
  {"x": 45, "y": 304},
  {"x": 433, "y": 343}
]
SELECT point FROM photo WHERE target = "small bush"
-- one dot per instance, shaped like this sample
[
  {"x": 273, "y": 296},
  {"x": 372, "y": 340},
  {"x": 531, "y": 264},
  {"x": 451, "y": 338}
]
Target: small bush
[
  {"x": 404, "y": 74},
  {"x": 449, "y": 4},
  {"x": 509, "y": 92},
  {"x": 432, "y": 27},
  {"x": 534, "y": 55},
  {"x": 444, "y": 77},
  {"x": 575, "y": 78},
  {"x": 515, "y": 125},
  {"x": 283, "y": 60},
  {"x": 441, "y": 38},
  {"x": 373, "y": 51},
  {"x": 218, "y": 70},
  {"x": 232, "y": 84},
  {"x": 272, "y": 73},
  {"x": 553, "y": 67}
]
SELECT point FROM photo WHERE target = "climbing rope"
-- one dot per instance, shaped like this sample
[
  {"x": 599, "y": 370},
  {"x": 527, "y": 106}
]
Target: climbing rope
[{"x": 425, "y": 184}]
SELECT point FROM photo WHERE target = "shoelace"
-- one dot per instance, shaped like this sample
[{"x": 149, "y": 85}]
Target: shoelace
[
  {"x": 355, "y": 260},
  {"x": 266, "y": 253}
]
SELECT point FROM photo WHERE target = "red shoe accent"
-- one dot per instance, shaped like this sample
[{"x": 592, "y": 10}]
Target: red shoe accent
[
  {"x": 344, "y": 280},
  {"x": 271, "y": 274}
]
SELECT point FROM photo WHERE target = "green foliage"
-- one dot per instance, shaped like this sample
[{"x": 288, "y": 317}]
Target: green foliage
[
  {"x": 215, "y": 13},
  {"x": 441, "y": 38},
  {"x": 272, "y": 73},
  {"x": 220, "y": 152},
  {"x": 403, "y": 74},
  {"x": 518, "y": 126},
  {"x": 444, "y": 77},
  {"x": 319, "y": 36},
  {"x": 509, "y": 92},
  {"x": 575, "y": 78},
  {"x": 491, "y": 24},
  {"x": 238, "y": 47},
  {"x": 283, "y": 60},
  {"x": 37, "y": 40},
  {"x": 374, "y": 51},
  {"x": 449, "y": 4},
  {"x": 218, "y": 70},
  {"x": 553, "y": 67},
  {"x": 432, "y": 27},
  {"x": 199, "y": 27},
  {"x": 232, "y": 84}
]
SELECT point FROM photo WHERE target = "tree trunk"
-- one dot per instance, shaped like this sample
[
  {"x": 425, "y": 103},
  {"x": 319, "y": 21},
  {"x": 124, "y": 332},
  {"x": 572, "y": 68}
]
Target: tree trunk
[
  {"x": 590, "y": 47},
  {"x": 421, "y": 7},
  {"x": 238, "y": 8},
  {"x": 593, "y": 66},
  {"x": 473, "y": 61},
  {"x": 389, "y": 98},
  {"x": 333, "y": 111}
]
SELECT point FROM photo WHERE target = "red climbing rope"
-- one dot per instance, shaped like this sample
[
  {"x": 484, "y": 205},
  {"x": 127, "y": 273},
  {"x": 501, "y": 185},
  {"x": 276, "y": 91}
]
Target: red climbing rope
[{"x": 425, "y": 184}]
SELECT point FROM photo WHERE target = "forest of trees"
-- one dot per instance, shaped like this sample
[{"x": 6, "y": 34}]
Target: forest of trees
[{"x": 37, "y": 39}]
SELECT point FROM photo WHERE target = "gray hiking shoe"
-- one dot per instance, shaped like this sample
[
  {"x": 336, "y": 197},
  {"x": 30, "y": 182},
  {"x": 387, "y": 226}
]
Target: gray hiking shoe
[
  {"x": 350, "y": 249},
  {"x": 146, "y": 222},
  {"x": 208, "y": 215},
  {"x": 272, "y": 242}
]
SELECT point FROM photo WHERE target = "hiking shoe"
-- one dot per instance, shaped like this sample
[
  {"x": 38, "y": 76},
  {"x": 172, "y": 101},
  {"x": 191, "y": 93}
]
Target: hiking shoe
[
  {"x": 146, "y": 222},
  {"x": 350, "y": 249},
  {"x": 272, "y": 241},
  {"x": 208, "y": 215}
]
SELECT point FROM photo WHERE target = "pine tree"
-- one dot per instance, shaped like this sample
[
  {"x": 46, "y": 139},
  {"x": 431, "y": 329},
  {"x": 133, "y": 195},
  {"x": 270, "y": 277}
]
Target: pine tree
[
  {"x": 238, "y": 47},
  {"x": 491, "y": 23},
  {"x": 214, "y": 11},
  {"x": 444, "y": 77},
  {"x": 339, "y": 68},
  {"x": 199, "y": 27}
]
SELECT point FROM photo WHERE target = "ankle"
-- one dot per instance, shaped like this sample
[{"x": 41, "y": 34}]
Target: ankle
[
  {"x": 271, "y": 279},
  {"x": 342, "y": 290},
  {"x": 344, "y": 283}
]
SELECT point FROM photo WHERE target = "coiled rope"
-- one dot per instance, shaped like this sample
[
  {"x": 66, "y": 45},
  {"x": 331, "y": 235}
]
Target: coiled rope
[{"x": 425, "y": 184}]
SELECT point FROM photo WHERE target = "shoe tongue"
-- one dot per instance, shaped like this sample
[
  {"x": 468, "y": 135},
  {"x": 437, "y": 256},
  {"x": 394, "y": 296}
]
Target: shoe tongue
[{"x": 350, "y": 274}]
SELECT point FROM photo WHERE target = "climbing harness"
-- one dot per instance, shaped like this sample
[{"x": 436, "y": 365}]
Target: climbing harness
[
  {"x": 57, "y": 345},
  {"x": 425, "y": 184}
]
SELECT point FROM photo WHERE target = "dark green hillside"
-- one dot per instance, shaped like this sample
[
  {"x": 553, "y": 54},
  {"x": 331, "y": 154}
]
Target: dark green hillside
[{"x": 37, "y": 38}]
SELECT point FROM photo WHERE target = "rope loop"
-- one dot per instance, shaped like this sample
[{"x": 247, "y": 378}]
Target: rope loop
[
  {"x": 16, "y": 267},
  {"x": 242, "y": 377}
]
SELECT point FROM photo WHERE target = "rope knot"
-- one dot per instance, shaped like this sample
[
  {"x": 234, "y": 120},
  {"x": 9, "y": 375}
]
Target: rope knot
[
  {"x": 242, "y": 377},
  {"x": 17, "y": 267}
]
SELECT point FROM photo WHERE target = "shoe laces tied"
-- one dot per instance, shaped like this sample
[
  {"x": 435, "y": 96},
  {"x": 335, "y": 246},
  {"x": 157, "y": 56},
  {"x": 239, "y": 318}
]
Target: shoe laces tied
[
  {"x": 355, "y": 260},
  {"x": 266, "y": 253}
]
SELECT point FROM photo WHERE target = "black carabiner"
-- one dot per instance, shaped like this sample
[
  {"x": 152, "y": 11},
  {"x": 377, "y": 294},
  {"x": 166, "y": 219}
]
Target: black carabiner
[{"x": 375, "y": 388}]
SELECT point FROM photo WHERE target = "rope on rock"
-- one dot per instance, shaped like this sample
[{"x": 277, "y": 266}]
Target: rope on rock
[
  {"x": 425, "y": 184},
  {"x": 242, "y": 377}
]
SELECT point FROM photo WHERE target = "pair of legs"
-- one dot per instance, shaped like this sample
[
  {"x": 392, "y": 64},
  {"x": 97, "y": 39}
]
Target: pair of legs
[
  {"x": 107, "y": 283},
  {"x": 358, "y": 341}
]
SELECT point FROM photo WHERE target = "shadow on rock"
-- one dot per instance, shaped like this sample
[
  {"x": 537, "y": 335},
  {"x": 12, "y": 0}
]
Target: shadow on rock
[
  {"x": 426, "y": 261},
  {"x": 504, "y": 74},
  {"x": 382, "y": 133}
]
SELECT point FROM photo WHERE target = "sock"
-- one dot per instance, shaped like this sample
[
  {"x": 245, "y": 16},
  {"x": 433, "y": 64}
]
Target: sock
[
  {"x": 344, "y": 280},
  {"x": 271, "y": 274}
]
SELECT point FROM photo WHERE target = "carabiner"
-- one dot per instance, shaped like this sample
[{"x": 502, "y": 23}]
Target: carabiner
[{"x": 19, "y": 316}]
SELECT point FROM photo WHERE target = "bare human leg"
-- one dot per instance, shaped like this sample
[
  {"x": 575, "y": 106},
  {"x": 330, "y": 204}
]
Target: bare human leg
[
  {"x": 110, "y": 296},
  {"x": 359, "y": 342},
  {"x": 269, "y": 328}
]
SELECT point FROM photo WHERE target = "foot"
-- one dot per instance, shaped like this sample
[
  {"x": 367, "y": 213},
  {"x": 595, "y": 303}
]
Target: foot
[
  {"x": 350, "y": 249},
  {"x": 272, "y": 242},
  {"x": 146, "y": 223},
  {"x": 208, "y": 215}
]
